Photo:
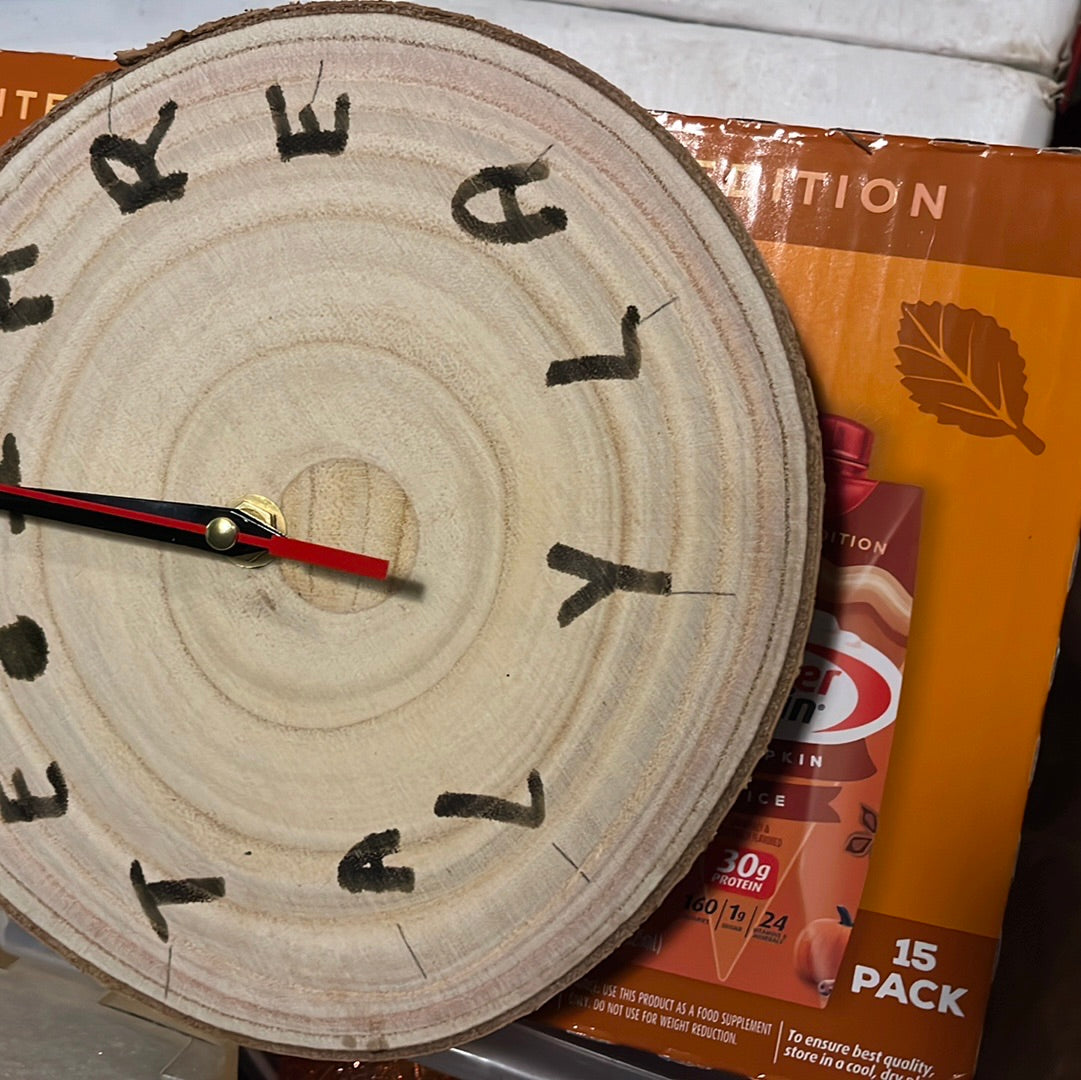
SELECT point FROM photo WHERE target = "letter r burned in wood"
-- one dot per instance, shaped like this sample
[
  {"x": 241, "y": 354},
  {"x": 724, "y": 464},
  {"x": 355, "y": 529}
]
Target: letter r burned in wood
[{"x": 151, "y": 186}]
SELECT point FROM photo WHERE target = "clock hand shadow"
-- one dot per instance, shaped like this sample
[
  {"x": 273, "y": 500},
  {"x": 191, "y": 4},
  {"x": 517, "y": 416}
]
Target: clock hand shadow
[
  {"x": 392, "y": 585},
  {"x": 407, "y": 588}
]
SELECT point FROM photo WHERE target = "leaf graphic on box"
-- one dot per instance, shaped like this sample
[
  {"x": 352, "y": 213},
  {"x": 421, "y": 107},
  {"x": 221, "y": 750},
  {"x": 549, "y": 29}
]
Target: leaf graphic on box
[
  {"x": 859, "y": 844},
  {"x": 964, "y": 369}
]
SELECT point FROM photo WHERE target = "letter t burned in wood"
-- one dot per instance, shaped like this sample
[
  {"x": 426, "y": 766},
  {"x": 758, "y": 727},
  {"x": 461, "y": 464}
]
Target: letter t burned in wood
[{"x": 154, "y": 895}]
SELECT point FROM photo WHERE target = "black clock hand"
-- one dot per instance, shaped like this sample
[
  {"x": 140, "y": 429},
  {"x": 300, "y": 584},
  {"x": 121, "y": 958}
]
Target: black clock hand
[{"x": 219, "y": 530}]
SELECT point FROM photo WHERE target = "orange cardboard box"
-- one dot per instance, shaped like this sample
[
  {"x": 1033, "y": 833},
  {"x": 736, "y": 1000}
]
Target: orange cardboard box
[
  {"x": 935, "y": 289},
  {"x": 32, "y": 83}
]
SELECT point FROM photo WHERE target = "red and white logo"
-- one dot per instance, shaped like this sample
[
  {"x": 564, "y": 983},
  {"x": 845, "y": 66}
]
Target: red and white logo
[{"x": 845, "y": 690}]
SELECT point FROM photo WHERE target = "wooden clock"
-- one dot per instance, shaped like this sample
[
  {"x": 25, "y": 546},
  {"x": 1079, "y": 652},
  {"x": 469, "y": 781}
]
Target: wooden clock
[{"x": 393, "y": 282}]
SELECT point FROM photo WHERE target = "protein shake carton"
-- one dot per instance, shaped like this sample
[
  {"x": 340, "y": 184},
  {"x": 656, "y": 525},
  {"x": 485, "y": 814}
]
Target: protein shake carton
[
  {"x": 935, "y": 289},
  {"x": 768, "y": 906}
]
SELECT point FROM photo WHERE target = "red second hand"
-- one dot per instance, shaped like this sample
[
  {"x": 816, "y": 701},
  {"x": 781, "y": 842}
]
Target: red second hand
[
  {"x": 348, "y": 562},
  {"x": 282, "y": 547}
]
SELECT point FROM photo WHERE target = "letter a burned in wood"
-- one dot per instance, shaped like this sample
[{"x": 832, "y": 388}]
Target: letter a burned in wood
[
  {"x": 602, "y": 579},
  {"x": 516, "y": 227},
  {"x": 151, "y": 186},
  {"x": 312, "y": 139},
  {"x": 362, "y": 869},
  {"x": 27, "y": 807},
  {"x": 155, "y": 894}
]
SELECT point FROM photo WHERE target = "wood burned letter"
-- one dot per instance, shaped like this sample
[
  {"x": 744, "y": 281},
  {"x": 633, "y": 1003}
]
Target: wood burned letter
[
  {"x": 11, "y": 474},
  {"x": 312, "y": 139},
  {"x": 24, "y": 652},
  {"x": 627, "y": 366},
  {"x": 362, "y": 869},
  {"x": 154, "y": 895},
  {"x": 516, "y": 226},
  {"x": 27, "y": 310},
  {"x": 150, "y": 186},
  {"x": 602, "y": 579},
  {"x": 463, "y": 805},
  {"x": 29, "y": 807}
]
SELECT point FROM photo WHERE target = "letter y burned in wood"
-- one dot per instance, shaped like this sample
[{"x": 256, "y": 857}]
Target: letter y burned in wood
[{"x": 603, "y": 578}]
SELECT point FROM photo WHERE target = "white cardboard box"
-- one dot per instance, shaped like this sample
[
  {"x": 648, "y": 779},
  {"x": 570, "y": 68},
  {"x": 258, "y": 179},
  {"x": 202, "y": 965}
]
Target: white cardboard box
[
  {"x": 664, "y": 64},
  {"x": 1034, "y": 35},
  {"x": 720, "y": 71}
]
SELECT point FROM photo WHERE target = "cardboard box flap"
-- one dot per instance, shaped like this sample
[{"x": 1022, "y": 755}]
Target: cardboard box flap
[{"x": 915, "y": 198}]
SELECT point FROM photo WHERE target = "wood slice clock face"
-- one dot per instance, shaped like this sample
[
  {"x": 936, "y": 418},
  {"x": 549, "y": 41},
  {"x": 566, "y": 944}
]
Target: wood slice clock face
[{"x": 447, "y": 299}]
